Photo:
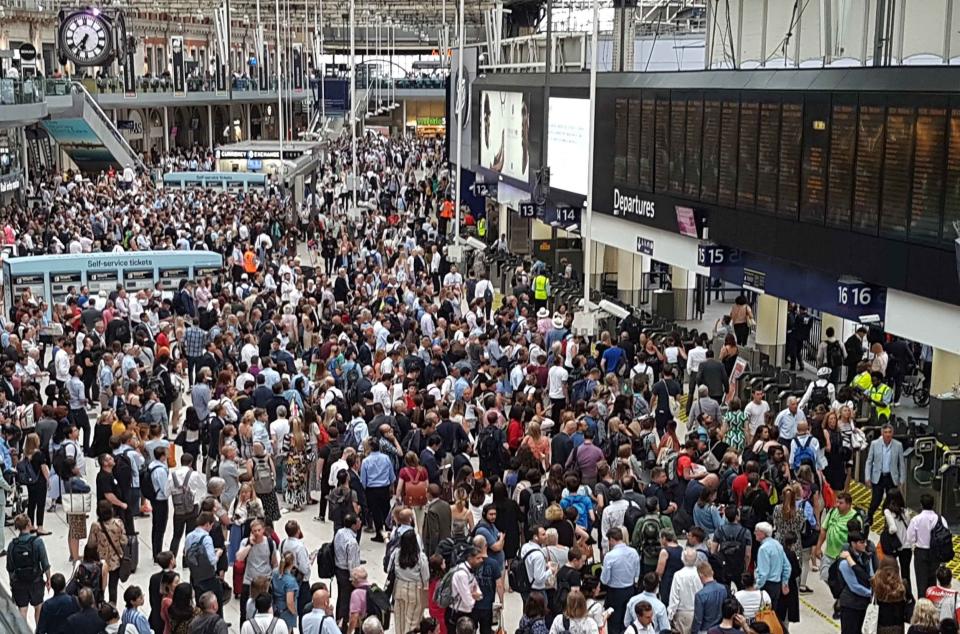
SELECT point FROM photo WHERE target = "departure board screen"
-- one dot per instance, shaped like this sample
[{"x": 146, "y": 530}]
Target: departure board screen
[
  {"x": 897, "y": 157},
  {"x": 767, "y": 152},
  {"x": 647, "y": 118},
  {"x": 747, "y": 163},
  {"x": 620, "y": 140},
  {"x": 633, "y": 141},
  {"x": 662, "y": 162},
  {"x": 729, "y": 129},
  {"x": 878, "y": 163},
  {"x": 710, "y": 165},
  {"x": 929, "y": 151},
  {"x": 843, "y": 136},
  {"x": 678, "y": 141},
  {"x": 692, "y": 147},
  {"x": 869, "y": 158}
]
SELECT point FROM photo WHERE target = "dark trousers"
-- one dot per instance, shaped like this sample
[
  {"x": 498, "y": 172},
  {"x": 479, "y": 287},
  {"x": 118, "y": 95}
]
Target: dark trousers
[
  {"x": 36, "y": 502},
  {"x": 452, "y": 616},
  {"x": 79, "y": 419},
  {"x": 344, "y": 588},
  {"x": 378, "y": 499},
  {"x": 775, "y": 590},
  {"x": 742, "y": 332},
  {"x": 213, "y": 585},
  {"x": 617, "y": 599},
  {"x": 879, "y": 490},
  {"x": 483, "y": 618},
  {"x": 925, "y": 566},
  {"x": 905, "y": 556},
  {"x": 182, "y": 525},
  {"x": 244, "y": 597},
  {"x": 113, "y": 580},
  {"x": 851, "y": 621},
  {"x": 161, "y": 511}
]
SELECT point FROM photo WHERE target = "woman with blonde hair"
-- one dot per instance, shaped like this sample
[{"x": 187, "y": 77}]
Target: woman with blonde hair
[
  {"x": 33, "y": 472},
  {"x": 284, "y": 589},
  {"x": 298, "y": 457},
  {"x": 412, "y": 483},
  {"x": 575, "y": 619},
  {"x": 539, "y": 444},
  {"x": 460, "y": 514},
  {"x": 926, "y": 618},
  {"x": 245, "y": 434}
]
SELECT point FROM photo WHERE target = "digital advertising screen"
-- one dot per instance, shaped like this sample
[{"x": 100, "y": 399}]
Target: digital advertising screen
[
  {"x": 504, "y": 133},
  {"x": 568, "y": 144}
]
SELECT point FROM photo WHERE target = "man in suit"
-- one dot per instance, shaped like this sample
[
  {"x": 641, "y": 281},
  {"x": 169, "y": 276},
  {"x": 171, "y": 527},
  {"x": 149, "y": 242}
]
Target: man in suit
[
  {"x": 853, "y": 349},
  {"x": 436, "y": 520},
  {"x": 714, "y": 376},
  {"x": 428, "y": 458},
  {"x": 886, "y": 468}
]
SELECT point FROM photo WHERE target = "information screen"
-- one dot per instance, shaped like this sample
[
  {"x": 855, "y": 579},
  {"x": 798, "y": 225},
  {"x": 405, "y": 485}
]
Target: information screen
[
  {"x": 138, "y": 279},
  {"x": 170, "y": 278},
  {"x": 102, "y": 281},
  {"x": 60, "y": 283},
  {"x": 878, "y": 163}
]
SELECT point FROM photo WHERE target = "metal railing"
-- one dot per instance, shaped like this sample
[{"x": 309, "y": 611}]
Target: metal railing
[{"x": 21, "y": 91}]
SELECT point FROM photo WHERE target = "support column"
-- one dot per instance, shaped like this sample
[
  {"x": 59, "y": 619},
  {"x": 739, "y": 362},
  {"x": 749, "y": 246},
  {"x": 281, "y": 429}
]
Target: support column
[
  {"x": 772, "y": 327},
  {"x": 630, "y": 270},
  {"x": 246, "y": 118},
  {"x": 166, "y": 129},
  {"x": 210, "y": 125},
  {"x": 682, "y": 281},
  {"x": 945, "y": 372}
]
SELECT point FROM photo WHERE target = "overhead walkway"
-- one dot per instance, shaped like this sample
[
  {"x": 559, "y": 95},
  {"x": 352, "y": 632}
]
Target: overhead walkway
[{"x": 88, "y": 136}]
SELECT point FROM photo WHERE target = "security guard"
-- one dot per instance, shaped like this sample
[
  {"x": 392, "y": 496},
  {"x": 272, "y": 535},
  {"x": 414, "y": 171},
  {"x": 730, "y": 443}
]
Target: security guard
[
  {"x": 880, "y": 395},
  {"x": 862, "y": 381},
  {"x": 541, "y": 291}
]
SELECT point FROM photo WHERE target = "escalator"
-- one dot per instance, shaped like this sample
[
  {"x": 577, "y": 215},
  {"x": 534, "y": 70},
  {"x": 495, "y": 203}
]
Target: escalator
[{"x": 88, "y": 136}]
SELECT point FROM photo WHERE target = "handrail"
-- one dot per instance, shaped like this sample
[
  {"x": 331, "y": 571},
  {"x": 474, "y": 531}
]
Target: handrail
[{"x": 105, "y": 120}]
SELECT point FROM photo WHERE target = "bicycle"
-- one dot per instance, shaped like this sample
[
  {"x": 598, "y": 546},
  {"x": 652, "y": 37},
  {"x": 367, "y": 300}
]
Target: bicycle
[{"x": 915, "y": 386}]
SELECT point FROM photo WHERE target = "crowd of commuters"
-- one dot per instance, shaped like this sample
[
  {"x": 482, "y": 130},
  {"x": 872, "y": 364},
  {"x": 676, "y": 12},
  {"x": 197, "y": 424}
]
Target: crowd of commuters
[{"x": 342, "y": 363}]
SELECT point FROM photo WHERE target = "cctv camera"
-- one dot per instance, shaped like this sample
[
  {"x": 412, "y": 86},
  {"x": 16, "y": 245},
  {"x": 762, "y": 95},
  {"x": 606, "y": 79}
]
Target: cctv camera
[{"x": 614, "y": 309}]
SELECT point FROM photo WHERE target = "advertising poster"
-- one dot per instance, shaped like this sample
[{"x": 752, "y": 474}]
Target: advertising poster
[
  {"x": 504, "y": 133},
  {"x": 568, "y": 144}
]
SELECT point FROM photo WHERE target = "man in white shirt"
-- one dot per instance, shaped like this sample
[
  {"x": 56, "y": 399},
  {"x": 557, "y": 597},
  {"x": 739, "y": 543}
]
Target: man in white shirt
[
  {"x": 696, "y": 356},
  {"x": 557, "y": 386},
  {"x": 381, "y": 393},
  {"x": 756, "y": 411},
  {"x": 683, "y": 592},
  {"x": 320, "y": 619},
  {"x": 264, "y": 620}
]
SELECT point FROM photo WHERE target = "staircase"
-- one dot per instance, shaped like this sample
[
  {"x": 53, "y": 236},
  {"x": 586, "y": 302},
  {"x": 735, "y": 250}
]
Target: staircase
[{"x": 89, "y": 137}]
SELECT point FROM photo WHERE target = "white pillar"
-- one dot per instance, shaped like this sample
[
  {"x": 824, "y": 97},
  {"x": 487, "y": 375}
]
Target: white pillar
[
  {"x": 166, "y": 129},
  {"x": 210, "y": 125}
]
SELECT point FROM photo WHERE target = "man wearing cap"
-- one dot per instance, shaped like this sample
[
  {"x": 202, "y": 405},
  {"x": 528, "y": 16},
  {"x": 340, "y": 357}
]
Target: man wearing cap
[{"x": 773, "y": 567}]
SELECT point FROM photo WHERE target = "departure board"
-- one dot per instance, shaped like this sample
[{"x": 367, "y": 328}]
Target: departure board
[
  {"x": 791, "y": 133},
  {"x": 869, "y": 158},
  {"x": 710, "y": 164},
  {"x": 813, "y": 168},
  {"x": 767, "y": 152},
  {"x": 678, "y": 141},
  {"x": 951, "y": 192},
  {"x": 633, "y": 141},
  {"x": 620, "y": 140},
  {"x": 647, "y": 118},
  {"x": 897, "y": 157},
  {"x": 747, "y": 162},
  {"x": 692, "y": 153},
  {"x": 929, "y": 151},
  {"x": 729, "y": 128},
  {"x": 875, "y": 162},
  {"x": 662, "y": 139},
  {"x": 843, "y": 136}
]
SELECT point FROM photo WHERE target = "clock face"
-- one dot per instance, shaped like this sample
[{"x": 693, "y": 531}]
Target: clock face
[{"x": 86, "y": 39}]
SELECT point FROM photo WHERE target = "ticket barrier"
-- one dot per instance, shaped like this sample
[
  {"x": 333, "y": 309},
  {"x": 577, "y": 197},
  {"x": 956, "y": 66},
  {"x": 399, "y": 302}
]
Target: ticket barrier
[
  {"x": 924, "y": 461},
  {"x": 948, "y": 500}
]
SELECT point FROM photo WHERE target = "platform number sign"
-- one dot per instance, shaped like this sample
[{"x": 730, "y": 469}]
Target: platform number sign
[
  {"x": 527, "y": 210},
  {"x": 856, "y": 295},
  {"x": 568, "y": 215},
  {"x": 716, "y": 255}
]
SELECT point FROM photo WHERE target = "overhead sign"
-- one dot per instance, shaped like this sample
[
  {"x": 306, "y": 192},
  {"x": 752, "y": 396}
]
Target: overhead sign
[
  {"x": 754, "y": 280},
  {"x": 644, "y": 245},
  {"x": 716, "y": 255},
  {"x": 430, "y": 121},
  {"x": 527, "y": 210},
  {"x": 484, "y": 189},
  {"x": 179, "y": 68}
]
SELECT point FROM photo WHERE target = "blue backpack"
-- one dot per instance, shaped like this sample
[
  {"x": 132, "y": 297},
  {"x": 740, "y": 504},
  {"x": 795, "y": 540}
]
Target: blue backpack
[{"x": 803, "y": 454}]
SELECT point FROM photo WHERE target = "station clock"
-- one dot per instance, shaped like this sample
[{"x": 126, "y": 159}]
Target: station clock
[{"x": 86, "y": 37}]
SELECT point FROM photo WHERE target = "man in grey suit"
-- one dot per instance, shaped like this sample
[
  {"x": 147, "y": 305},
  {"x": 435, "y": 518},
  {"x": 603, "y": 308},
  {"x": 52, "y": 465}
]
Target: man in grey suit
[
  {"x": 437, "y": 522},
  {"x": 886, "y": 468},
  {"x": 714, "y": 376}
]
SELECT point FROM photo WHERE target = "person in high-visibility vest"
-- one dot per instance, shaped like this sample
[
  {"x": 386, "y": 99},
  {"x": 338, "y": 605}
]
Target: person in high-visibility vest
[
  {"x": 881, "y": 396},
  {"x": 250, "y": 262},
  {"x": 541, "y": 291},
  {"x": 482, "y": 228},
  {"x": 862, "y": 381}
]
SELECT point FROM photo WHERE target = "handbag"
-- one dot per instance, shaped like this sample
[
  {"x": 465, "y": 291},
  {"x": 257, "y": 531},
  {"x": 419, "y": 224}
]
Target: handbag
[
  {"x": 766, "y": 615},
  {"x": 76, "y": 503},
  {"x": 126, "y": 563},
  {"x": 829, "y": 496},
  {"x": 890, "y": 542}
]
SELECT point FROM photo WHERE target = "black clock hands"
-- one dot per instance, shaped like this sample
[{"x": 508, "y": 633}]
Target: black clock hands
[{"x": 83, "y": 41}]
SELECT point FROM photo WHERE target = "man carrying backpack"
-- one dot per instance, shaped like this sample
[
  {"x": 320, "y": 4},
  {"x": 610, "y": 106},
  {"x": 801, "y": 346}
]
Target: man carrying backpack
[
  {"x": 184, "y": 488},
  {"x": 462, "y": 589},
  {"x": 931, "y": 538},
  {"x": 733, "y": 546},
  {"x": 201, "y": 558},
  {"x": 820, "y": 391},
  {"x": 646, "y": 535},
  {"x": 492, "y": 445},
  {"x": 28, "y": 567},
  {"x": 805, "y": 449}
]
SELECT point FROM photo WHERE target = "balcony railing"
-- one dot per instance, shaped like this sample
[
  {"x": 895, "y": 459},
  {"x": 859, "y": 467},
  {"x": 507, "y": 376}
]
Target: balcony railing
[{"x": 20, "y": 91}]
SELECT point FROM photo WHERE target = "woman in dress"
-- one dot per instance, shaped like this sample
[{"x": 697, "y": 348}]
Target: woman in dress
[
  {"x": 460, "y": 515},
  {"x": 285, "y": 590},
  {"x": 539, "y": 444},
  {"x": 740, "y": 317},
  {"x": 733, "y": 430},
  {"x": 268, "y": 498},
  {"x": 109, "y": 536},
  {"x": 412, "y": 483},
  {"x": 298, "y": 456}
]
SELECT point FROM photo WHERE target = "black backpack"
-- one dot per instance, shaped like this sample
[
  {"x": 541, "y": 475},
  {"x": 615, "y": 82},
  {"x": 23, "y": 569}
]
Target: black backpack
[
  {"x": 631, "y": 517},
  {"x": 26, "y": 474},
  {"x": 24, "y": 562},
  {"x": 87, "y": 575},
  {"x": 819, "y": 396},
  {"x": 519, "y": 579},
  {"x": 835, "y": 579},
  {"x": 157, "y": 385},
  {"x": 941, "y": 542},
  {"x": 731, "y": 554},
  {"x": 326, "y": 563},
  {"x": 147, "y": 488},
  {"x": 487, "y": 446},
  {"x": 378, "y": 605},
  {"x": 123, "y": 471},
  {"x": 834, "y": 354}
]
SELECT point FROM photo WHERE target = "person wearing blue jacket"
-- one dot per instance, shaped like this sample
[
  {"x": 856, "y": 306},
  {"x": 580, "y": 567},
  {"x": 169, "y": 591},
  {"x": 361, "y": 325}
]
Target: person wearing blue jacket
[{"x": 856, "y": 568}]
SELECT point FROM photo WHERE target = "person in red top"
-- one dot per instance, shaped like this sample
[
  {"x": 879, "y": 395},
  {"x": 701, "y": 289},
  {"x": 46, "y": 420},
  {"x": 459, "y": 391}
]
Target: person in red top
[
  {"x": 514, "y": 430},
  {"x": 943, "y": 596}
]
